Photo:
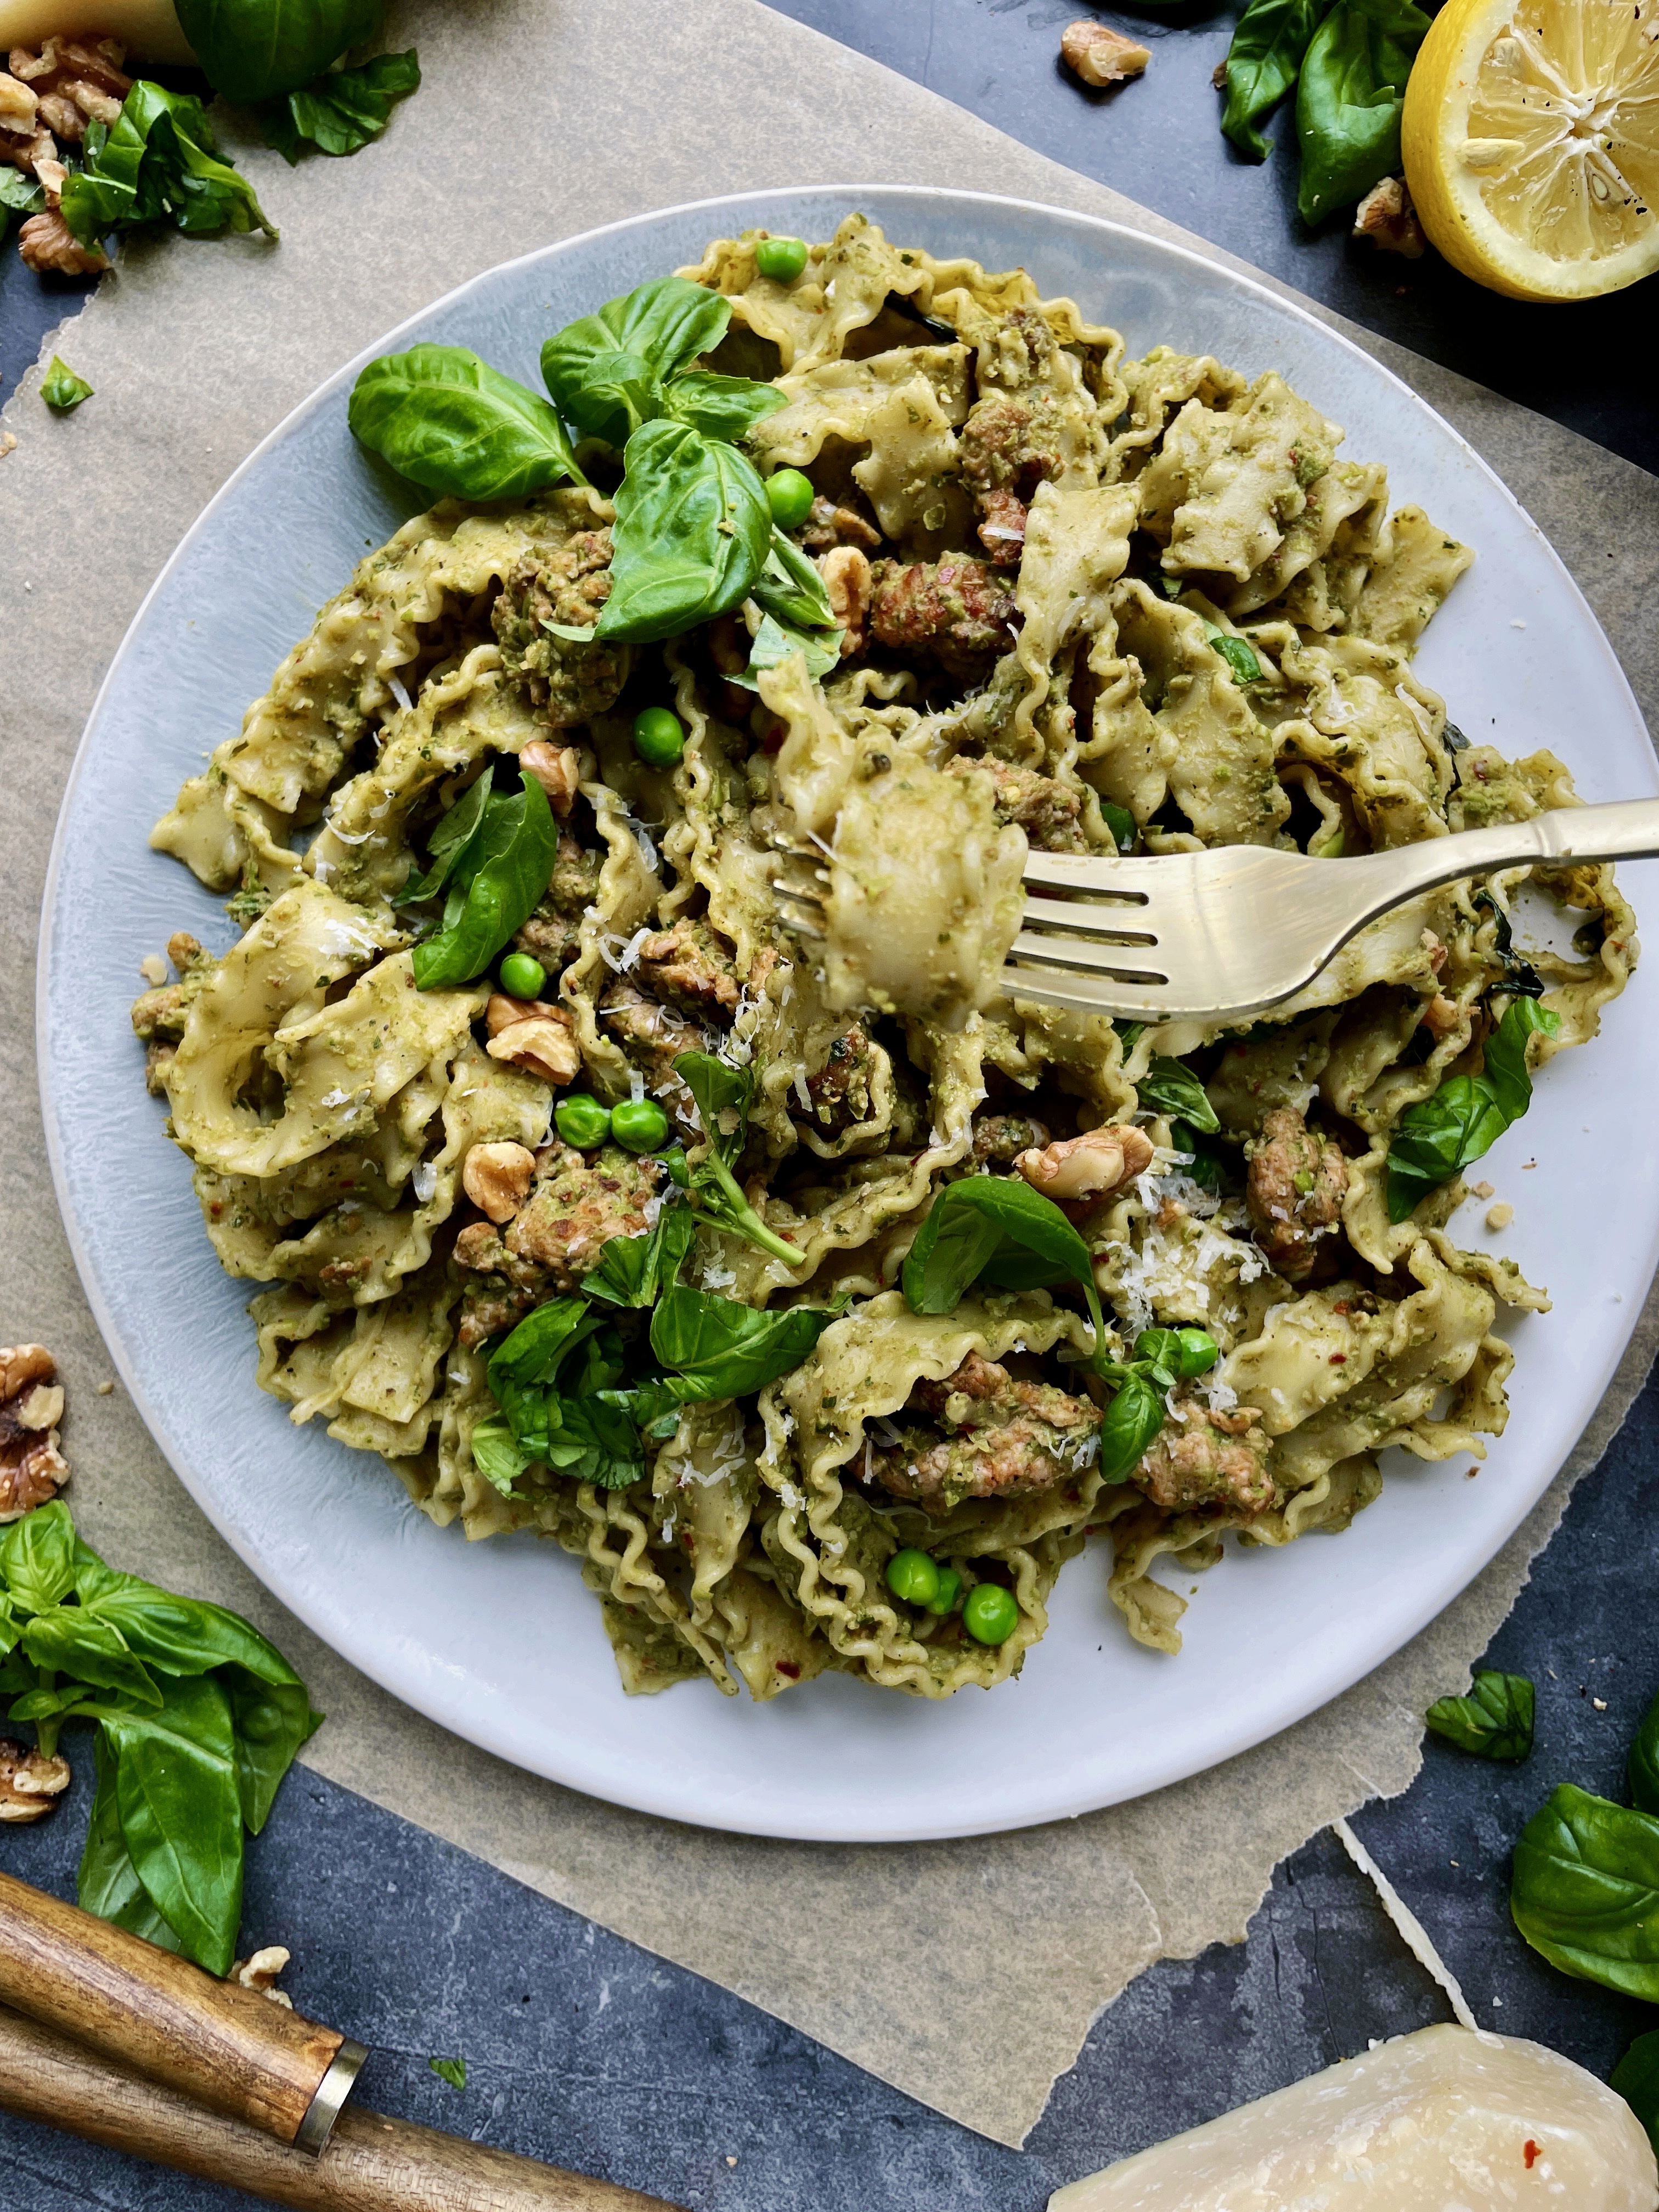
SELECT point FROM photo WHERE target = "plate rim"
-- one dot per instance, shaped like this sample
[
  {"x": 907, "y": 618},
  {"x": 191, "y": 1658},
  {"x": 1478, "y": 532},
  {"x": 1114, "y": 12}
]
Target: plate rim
[{"x": 1435, "y": 1593}]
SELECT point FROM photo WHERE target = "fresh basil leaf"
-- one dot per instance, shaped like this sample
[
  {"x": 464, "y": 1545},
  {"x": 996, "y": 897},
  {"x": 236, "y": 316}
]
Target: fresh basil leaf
[
  {"x": 1128, "y": 1427},
  {"x": 692, "y": 531},
  {"x": 1520, "y": 976},
  {"x": 451, "y": 422},
  {"x": 75, "y": 1641},
  {"x": 61, "y": 388},
  {"x": 500, "y": 896},
  {"x": 271, "y": 1720},
  {"x": 179, "y": 1807},
  {"x": 180, "y": 1635},
  {"x": 536, "y": 1350},
  {"x": 599, "y": 1441},
  {"x": 342, "y": 111},
  {"x": 253, "y": 50},
  {"x": 19, "y": 194},
  {"x": 454, "y": 835},
  {"x": 453, "y": 2070},
  {"x": 1585, "y": 1890},
  {"x": 497, "y": 1454},
  {"x": 1262, "y": 64},
  {"x": 633, "y": 1270},
  {"x": 37, "y": 1558},
  {"x": 1349, "y": 101},
  {"x": 773, "y": 644},
  {"x": 1636, "y": 2079},
  {"x": 107, "y": 1882},
  {"x": 722, "y": 406},
  {"x": 159, "y": 161},
  {"x": 968, "y": 1228},
  {"x": 1176, "y": 1355},
  {"x": 723, "y": 1094},
  {"x": 1238, "y": 653},
  {"x": 791, "y": 587},
  {"x": 1495, "y": 1721},
  {"x": 1442, "y": 1135},
  {"x": 1124, "y": 829},
  {"x": 1169, "y": 1088},
  {"x": 666, "y": 323},
  {"x": 720, "y": 1349},
  {"x": 1642, "y": 1770}
]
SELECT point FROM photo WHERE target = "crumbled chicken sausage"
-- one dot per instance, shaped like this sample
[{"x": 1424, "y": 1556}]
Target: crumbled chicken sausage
[
  {"x": 653, "y": 1037},
  {"x": 577, "y": 1205},
  {"x": 1048, "y": 811},
  {"x": 839, "y": 1090},
  {"x": 1090, "y": 1167},
  {"x": 1202, "y": 1458},
  {"x": 568, "y": 680},
  {"x": 1003, "y": 1439},
  {"x": 958, "y": 609},
  {"x": 1000, "y": 1138},
  {"x": 32, "y": 1469},
  {"x": 29, "y": 1784},
  {"x": 1298, "y": 1182},
  {"x": 688, "y": 967}
]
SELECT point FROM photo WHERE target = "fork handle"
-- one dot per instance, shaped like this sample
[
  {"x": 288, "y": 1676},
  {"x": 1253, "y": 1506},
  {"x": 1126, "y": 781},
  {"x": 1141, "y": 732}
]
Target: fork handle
[{"x": 1562, "y": 836}]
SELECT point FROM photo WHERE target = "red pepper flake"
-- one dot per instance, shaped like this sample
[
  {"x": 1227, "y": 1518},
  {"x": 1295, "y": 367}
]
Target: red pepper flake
[
  {"x": 1529, "y": 2152},
  {"x": 1338, "y": 1359},
  {"x": 788, "y": 1666}
]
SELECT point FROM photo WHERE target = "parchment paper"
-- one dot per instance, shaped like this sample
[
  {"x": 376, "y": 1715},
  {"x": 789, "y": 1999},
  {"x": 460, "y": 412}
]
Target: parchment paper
[{"x": 536, "y": 121}]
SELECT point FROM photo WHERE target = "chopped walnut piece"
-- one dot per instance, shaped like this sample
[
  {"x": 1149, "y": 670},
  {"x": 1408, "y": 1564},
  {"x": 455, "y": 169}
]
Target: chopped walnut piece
[
  {"x": 19, "y": 104},
  {"x": 31, "y": 1407},
  {"x": 531, "y": 1035},
  {"x": 1388, "y": 218},
  {"x": 1102, "y": 56},
  {"x": 154, "y": 970},
  {"x": 1088, "y": 1167},
  {"x": 557, "y": 768},
  {"x": 847, "y": 587},
  {"x": 47, "y": 242},
  {"x": 497, "y": 1177},
  {"x": 829, "y": 525},
  {"x": 260, "y": 1971},
  {"x": 29, "y": 1784}
]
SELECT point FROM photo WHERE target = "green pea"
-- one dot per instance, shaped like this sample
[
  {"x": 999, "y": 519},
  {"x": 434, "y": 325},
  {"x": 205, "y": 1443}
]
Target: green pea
[
  {"x": 1199, "y": 1352},
  {"x": 790, "y": 495},
  {"x": 948, "y": 1596},
  {"x": 913, "y": 1576},
  {"x": 659, "y": 737},
  {"x": 782, "y": 259},
  {"x": 522, "y": 977},
  {"x": 991, "y": 1614},
  {"x": 582, "y": 1122},
  {"x": 639, "y": 1124}
]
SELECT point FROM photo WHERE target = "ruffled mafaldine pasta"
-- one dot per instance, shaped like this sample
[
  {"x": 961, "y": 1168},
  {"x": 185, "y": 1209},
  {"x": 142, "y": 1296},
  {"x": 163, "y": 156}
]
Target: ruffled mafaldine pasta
[{"x": 1044, "y": 596}]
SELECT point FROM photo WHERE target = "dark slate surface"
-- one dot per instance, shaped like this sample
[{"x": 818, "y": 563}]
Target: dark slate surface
[{"x": 584, "y": 2050}]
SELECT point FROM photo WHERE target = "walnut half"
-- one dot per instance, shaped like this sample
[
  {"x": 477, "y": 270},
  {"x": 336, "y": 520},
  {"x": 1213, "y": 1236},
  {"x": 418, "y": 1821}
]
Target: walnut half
[
  {"x": 29, "y": 1784},
  {"x": 260, "y": 1971},
  {"x": 1101, "y": 55},
  {"x": 31, "y": 1407}
]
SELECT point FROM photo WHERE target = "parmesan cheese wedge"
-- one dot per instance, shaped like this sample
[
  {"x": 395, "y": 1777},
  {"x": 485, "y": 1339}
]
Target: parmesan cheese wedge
[
  {"x": 1442, "y": 2121},
  {"x": 148, "y": 29}
]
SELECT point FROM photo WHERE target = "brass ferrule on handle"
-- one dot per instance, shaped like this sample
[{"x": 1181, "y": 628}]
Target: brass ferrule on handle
[{"x": 216, "y": 2043}]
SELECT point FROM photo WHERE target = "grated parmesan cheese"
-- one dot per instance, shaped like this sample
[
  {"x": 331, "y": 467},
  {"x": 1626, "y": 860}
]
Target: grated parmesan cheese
[
  {"x": 395, "y": 684},
  {"x": 1416, "y": 1935},
  {"x": 424, "y": 1181}
]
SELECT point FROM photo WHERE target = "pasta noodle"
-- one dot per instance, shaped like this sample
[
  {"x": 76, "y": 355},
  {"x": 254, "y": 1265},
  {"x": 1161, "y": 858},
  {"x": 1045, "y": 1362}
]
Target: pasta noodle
[{"x": 1056, "y": 570}]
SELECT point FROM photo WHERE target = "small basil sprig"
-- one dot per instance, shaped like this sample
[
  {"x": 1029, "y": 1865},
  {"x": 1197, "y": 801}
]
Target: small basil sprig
[
  {"x": 342, "y": 110},
  {"x": 1171, "y": 1089},
  {"x": 1585, "y": 1890},
  {"x": 1349, "y": 101},
  {"x": 635, "y": 1271},
  {"x": 575, "y": 1415},
  {"x": 496, "y": 878},
  {"x": 1495, "y": 1721},
  {"x": 1442, "y": 1135},
  {"x": 692, "y": 530},
  {"x": 1263, "y": 62},
  {"x": 999, "y": 1228},
  {"x": 158, "y": 161},
  {"x": 723, "y": 1094},
  {"x": 720, "y": 1349},
  {"x": 631, "y": 364},
  {"x": 198, "y": 1718},
  {"x": 451, "y": 422},
  {"x": 1636, "y": 2079},
  {"x": 253, "y": 50},
  {"x": 796, "y": 616},
  {"x": 1161, "y": 1357}
]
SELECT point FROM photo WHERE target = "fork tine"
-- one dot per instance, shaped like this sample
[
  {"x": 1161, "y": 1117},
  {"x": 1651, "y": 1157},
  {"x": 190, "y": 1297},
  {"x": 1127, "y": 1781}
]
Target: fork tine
[
  {"x": 1106, "y": 924},
  {"x": 1072, "y": 957}
]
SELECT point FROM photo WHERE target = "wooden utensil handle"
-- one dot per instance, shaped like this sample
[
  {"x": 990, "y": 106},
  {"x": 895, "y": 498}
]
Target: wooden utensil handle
[
  {"x": 223, "y": 2045},
  {"x": 372, "y": 2164}
]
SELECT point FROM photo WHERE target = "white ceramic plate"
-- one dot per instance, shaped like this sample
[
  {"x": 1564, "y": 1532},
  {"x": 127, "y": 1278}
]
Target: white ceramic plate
[{"x": 499, "y": 1641}]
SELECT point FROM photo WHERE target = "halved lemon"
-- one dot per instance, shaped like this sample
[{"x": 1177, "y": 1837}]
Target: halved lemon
[{"x": 1531, "y": 142}]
